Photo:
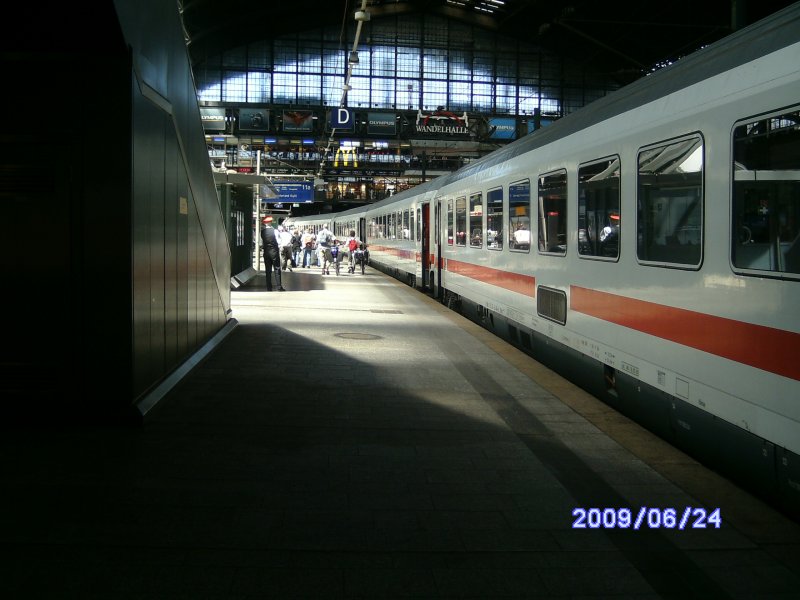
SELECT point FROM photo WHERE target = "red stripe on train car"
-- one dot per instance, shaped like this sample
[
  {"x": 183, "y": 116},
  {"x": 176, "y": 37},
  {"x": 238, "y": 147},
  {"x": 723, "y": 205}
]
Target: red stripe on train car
[
  {"x": 515, "y": 282},
  {"x": 766, "y": 348}
]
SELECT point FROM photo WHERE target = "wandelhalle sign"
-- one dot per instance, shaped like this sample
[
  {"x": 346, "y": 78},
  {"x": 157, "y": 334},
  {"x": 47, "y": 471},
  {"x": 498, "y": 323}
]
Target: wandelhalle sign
[{"x": 442, "y": 124}]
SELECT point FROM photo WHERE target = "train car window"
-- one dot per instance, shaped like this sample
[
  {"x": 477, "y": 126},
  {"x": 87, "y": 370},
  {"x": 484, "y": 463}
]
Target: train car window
[
  {"x": 406, "y": 226},
  {"x": 669, "y": 220},
  {"x": 461, "y": 221},
  {"x": 553, "y": 213},
  {"x": 412, "y": 234},
  {"x": 475, "y": 227},
  {"x": 419, "y": 224},
  {"x": 598, "y": 209},
  {"x": 450, "y": 222},
  {"x": 519, "y": 216},
  {"x": 494, "y": 219},
  {"x": 766, "y": 194},
  {"x": 392, "y": 227}
]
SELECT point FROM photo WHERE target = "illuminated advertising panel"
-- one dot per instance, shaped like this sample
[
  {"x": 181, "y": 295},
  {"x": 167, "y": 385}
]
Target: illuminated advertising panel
[
  {"x": 253, "y": 119},
  {"x": 383, "y": 124},
  {"x": 298, "y": 120},
  {"x": 502, "y": 129},
  {"x": 213, "y": 119}
]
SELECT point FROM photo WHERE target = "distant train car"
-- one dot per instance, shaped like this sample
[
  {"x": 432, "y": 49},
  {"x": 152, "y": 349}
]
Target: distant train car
[{"x": 647, "y": 247}]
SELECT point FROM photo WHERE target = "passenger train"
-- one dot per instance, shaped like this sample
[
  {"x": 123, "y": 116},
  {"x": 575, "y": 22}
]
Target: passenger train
[{"x": 646, "y": 247}]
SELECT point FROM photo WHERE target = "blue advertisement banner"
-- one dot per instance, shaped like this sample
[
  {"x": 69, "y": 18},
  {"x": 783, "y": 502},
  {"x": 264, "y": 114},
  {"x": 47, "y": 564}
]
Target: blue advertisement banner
[
  {"x": 293, "y": 191},
  {"x": 503, "y": 129}
]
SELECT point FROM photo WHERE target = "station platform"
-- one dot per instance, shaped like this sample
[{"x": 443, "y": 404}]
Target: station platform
[{"x": 353, "y": 438}]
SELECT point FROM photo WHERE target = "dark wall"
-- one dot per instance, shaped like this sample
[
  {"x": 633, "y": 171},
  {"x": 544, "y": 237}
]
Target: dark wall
[{"x": 115, "y": 259}]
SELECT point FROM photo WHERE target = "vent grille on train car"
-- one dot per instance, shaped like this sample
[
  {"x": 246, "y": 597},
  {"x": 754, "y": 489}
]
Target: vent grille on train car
[{"x": 552, "y": 304}]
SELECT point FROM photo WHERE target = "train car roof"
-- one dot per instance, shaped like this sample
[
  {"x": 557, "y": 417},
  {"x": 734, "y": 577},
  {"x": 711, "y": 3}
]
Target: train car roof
[
  {"x": 768, "y": 35},
  {"x": 427, "y": 186}
]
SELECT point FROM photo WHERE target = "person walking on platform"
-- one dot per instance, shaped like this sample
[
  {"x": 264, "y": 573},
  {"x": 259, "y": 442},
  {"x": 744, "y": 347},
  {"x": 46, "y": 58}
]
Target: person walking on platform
[
  {"x": 325, "y": 239},
  {"x": 285, "y": 242},
  {"x": 308, "y": 249},
  {"x": 351, "y": 245},
  {"x": 272, "y": 253},
  {"x": 297, "y": 248}
]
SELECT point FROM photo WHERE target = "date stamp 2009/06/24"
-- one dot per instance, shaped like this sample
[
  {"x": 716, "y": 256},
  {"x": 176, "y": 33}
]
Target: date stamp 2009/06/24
[{"x": 649, "y": 518}]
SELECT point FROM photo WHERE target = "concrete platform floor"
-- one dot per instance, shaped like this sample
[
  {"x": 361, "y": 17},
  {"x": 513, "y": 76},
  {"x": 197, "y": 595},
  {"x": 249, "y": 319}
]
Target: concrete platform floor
[{"x": 353, "y": 438}]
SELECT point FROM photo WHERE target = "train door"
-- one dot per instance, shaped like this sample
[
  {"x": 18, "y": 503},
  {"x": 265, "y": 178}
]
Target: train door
[
  {"x": 436, "y": 286},
  {"x": 362, "y": 229},
  {"x": 426, "y": 246}
]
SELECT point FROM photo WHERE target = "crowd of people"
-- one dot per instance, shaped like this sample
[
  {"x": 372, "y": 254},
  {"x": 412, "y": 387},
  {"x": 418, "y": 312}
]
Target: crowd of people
[{"x": 286, "y": 250}]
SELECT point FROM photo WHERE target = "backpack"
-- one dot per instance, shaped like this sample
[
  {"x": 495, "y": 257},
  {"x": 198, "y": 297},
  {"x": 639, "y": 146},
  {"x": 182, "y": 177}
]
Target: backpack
[{"x": 353, "y": 244}]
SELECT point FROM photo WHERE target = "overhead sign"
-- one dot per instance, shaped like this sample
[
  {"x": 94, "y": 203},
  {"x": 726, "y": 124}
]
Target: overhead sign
[
  {"x": 442, "y": 123},
  {"x": 344, "y": 154},
  {"x": 502, "y": 128},
  {"x": 298, "y": 120},
  {"x": 342, "y": 118},
  {"x": 383, "y": 124},
  {"x": 294, "y": 191},
  {"x": 253, "y": 119},
  {"x": 213, "y": 119}
]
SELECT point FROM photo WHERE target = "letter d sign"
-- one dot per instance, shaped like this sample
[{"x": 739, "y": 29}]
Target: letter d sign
[{"x": 341, "y": 118}]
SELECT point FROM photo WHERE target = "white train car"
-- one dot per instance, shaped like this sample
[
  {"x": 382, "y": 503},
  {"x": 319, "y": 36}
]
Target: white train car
[
  {"x": 399, "y": 233},
  {"x": 647, "y": 247}
]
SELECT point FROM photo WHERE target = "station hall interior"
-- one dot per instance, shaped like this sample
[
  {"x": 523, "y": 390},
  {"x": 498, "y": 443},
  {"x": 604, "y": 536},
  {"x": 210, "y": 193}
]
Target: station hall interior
[
  {"x": 113, "y": 183},
  {"x": 142, "y": 143}
]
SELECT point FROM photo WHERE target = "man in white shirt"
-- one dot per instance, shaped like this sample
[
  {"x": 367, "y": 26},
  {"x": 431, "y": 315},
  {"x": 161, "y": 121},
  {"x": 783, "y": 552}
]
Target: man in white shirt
[{"x": 285, "y": 242}]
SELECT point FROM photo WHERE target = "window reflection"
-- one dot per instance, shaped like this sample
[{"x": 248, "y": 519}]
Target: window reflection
[
  {"x": 519, "y": 216},
  {"x": 766, "y": 194},
  {"x": 670, "y": 203},
  {"x": 599, "y": 218},
  {"x": 553, "y": 213},
  {"x": 494, "y": 219}
]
